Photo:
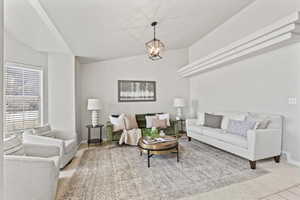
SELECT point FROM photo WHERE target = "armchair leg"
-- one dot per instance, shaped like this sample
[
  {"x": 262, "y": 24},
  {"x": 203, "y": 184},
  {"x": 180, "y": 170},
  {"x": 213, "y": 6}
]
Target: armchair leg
[
  {"x": 252, "y": 164},
  {"x": 277, "y": 159}
]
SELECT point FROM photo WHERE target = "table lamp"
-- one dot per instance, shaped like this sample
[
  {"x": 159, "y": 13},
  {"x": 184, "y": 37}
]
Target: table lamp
[
  {"x": 94, "y": 106},
  {"x": 179, "y": 104}
]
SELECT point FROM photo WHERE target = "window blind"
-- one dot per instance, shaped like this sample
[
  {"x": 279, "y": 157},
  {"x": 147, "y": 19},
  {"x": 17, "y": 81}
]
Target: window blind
[{"x": 22, "y": 98}]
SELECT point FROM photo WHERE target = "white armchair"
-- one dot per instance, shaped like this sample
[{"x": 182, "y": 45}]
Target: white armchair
[
  {"x": 32, "y": 174},
  {"x": 66, "y": 141}
]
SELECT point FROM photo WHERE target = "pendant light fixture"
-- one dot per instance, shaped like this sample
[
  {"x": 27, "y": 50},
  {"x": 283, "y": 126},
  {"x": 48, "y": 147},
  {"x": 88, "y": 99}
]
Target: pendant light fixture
[{"x": 155, "y": 46}]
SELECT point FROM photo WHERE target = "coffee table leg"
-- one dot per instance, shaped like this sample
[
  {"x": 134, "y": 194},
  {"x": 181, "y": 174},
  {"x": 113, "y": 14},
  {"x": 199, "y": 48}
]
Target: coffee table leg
[
  {"x": 141, "y": 153},
  {"x": 148, "y": 152},
  {"x": 177, "y": 149}
]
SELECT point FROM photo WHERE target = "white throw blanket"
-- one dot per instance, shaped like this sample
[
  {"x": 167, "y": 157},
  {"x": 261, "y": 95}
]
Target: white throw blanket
[{"x": 130, "y": 137}]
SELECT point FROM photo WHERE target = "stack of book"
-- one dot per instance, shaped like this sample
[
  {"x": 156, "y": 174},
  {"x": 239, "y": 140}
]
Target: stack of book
[{"x": 157, "y": 140}]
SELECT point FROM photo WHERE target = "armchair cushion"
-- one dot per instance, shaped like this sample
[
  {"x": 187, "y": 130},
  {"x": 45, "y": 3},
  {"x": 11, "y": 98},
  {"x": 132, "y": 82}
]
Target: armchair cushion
[
  {"x": 39, "y": 150},
  {"x": 44, "y": 131}
]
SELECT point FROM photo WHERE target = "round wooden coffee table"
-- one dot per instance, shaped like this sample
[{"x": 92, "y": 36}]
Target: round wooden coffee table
[{"x": 159, "y": 148}]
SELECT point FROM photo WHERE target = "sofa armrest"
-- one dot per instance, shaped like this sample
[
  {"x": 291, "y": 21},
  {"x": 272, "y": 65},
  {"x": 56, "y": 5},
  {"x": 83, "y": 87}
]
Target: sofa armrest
[
  {"x": 19, "y": 172},
  {"x": 264, "y": 143},
  {"x": 42, "y": 140},
  {"x": 190, "y": 122},
  {"x": 41, "y": 150}
]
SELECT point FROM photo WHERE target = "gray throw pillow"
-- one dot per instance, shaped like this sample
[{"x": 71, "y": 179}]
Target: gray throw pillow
[
  {"x": 240, "y": 128},
  {"x": 212, "y": 121}
]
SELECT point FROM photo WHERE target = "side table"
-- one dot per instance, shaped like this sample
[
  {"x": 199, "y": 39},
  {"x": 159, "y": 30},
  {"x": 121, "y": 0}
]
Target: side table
[
  {"x": 180, "y": 123},
  {"x": 95, "y": 140}
]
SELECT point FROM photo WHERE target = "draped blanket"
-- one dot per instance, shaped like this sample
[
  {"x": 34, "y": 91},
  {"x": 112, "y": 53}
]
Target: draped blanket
[{"x": 131, "y": 137}]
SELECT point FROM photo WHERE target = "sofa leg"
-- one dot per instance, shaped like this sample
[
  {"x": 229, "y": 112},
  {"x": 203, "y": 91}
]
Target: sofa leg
[
  {"x": 190, "y": 139},
  {"x": 252, "y": 164},
  {"x": 277, "y": 159}
]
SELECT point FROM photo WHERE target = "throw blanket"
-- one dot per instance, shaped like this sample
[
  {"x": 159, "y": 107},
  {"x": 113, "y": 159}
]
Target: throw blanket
[{"x": 130, "y": 137}]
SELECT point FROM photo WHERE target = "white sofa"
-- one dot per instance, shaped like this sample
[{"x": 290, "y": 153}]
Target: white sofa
[
  {"x": 259, "y": 143},
  {"x": 31, "y": 173},
  {"x": 66, "y": 141}
]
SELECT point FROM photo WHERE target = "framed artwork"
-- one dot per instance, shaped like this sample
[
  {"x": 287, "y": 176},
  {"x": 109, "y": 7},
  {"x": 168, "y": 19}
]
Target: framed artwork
[{"x": 136, "y": 91}]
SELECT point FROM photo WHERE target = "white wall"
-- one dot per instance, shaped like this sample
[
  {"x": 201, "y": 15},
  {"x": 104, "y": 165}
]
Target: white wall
[
  {"x": 61, "y": 91},
  {"x": 263, "y": 83},
  {"x": 78, "y": 98},
  {"x": 17, "y": 52},
  {"x": 1, "y": 97},
  {"x": 99, "y": 80}
]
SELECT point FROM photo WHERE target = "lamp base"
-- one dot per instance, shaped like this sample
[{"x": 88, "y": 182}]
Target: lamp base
[
  {"x": 179, "y": 113},
  {"x": 95, "y": 118}
]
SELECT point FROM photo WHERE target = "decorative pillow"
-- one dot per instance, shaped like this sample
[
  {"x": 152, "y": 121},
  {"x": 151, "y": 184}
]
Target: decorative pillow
[
  {"x": 149, "y": 121},
  {"x": 264, "y": 124},
  {"x": 260, "y": 123},
  {"x": 157, "y": 123},
  {"x": 41, "y": 130},
  {"x": 130, "y": 122},
  {"x": 118, "y": 122},
  {"x": 213, "y": 121},
  {"x": 44, "y": 131},
  {"x": 200, "y": 118},
  {"x": 231, "y": 115},
  {"x": 166, "y": 117},
  {"x": 240, "y": 128},
  {"x": 13, "y": 146}
]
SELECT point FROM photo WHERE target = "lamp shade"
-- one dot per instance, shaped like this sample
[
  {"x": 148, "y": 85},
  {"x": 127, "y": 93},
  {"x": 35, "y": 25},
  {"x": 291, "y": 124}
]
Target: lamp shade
[
  {"x": 179, "y": 102},
  {"x": 94, "y": 104}
]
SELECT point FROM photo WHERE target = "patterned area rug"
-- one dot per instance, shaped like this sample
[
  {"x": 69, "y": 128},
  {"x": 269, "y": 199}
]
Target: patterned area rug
[{"x": 120, "y": 173}]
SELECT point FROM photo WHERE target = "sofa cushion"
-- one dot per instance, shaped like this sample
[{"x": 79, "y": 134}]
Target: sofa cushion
[
  {"x": 231, "y": 115},
  {"x": 213, "y": 121},
  {"x": 70, "y": 145},
  {"x": 221, "y": 135},
  {"x": 240, "y": 128},
  {"x": 208, "y": 131},
  {"x": 195, "y": 128}
]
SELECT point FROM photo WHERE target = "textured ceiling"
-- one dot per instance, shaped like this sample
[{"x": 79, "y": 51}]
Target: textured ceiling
[{"x": 105, "y": 29}]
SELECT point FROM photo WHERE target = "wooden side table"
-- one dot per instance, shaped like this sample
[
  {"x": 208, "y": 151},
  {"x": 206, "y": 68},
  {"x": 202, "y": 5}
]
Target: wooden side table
[{"x": 95, "y": 140}]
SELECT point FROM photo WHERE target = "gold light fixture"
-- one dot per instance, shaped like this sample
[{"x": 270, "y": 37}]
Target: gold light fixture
[{"x": 154, "y": 47}]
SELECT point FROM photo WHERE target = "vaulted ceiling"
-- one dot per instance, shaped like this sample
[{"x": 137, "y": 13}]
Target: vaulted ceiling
[{"x": 105, "y": 29}]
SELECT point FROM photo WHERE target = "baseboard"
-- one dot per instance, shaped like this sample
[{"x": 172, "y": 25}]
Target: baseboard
[{"x": 290, "y": 160}]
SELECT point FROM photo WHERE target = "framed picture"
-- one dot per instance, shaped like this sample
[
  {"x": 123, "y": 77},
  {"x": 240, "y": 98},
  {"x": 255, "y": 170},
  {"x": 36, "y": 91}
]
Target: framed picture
[{"x": 136, "y": 91}]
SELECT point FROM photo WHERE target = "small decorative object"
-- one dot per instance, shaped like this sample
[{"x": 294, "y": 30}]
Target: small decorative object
[
  {"x": 179, "y": 103},
  {"x": 155, "y": 46},
  {"x": 94, "y": 106},
  {"x": 162, "y": 133},
  {"x": 135, "y": 91}
]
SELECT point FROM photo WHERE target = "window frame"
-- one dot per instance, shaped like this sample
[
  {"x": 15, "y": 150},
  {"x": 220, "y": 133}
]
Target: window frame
[{"x": 29, "y": 67}]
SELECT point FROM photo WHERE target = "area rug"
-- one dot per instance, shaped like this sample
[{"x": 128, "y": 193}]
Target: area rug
[{"x": 120, "y": 173}]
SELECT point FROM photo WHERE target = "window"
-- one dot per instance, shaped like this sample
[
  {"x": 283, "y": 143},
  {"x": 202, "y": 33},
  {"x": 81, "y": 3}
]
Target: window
[{"x": 22, "y": 97}]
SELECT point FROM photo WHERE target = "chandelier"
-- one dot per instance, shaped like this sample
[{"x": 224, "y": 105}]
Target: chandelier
[{"x": 154, "y": 47}]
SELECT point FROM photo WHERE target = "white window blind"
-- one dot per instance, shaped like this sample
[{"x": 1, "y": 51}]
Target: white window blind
[{"x": 22, "y": 98}]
